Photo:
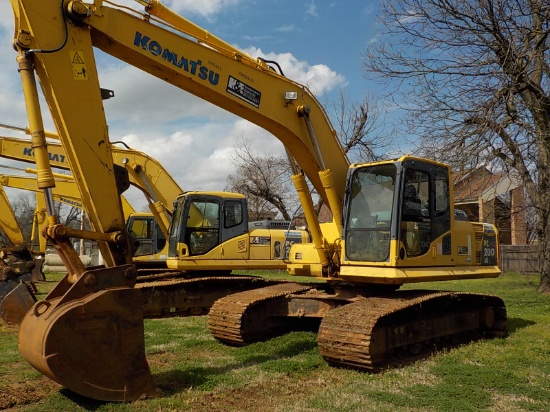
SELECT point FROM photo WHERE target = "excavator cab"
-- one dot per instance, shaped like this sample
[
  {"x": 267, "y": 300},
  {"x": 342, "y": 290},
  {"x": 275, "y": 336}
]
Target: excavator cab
[
  {"x": 203, "y": 221},
  {"x": 399, "y": 213},
  {"x": 396, "y": 209}
]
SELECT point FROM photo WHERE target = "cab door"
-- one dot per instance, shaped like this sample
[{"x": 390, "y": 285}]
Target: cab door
[
  {"x": 202, "y": 231},
  {"x": 425, "y": 207}
]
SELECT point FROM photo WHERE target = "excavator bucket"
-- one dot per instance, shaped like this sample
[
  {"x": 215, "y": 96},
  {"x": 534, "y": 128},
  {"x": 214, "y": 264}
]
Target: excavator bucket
[
  {"x": 89, "y": 337},
  {"x": 16, "y": 304}
]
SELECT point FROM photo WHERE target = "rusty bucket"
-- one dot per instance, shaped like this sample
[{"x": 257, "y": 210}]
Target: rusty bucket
[
  {"x": 89, "y": 336},
  {"x": 16, "y": 304}
]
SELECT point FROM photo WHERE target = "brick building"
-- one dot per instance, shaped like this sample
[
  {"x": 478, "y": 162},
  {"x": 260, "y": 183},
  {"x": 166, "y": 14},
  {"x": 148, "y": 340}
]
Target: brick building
[{"x": 493, "y": 198}]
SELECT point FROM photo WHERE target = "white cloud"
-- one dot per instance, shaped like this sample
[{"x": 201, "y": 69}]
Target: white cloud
[
  {"x": 319, "y": 78},
  {"x": 286, "y": 28},
  {"x": 311, "y": 9},
  {"x": 411, "y": 16},
  {"x": 206, "y": 8}
]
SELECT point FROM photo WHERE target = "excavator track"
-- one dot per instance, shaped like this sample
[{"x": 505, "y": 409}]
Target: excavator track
[
  {"x": 247, "y": 317},
  {"x": 378, "y": 332},
  {"x": 175, "y": 296}
]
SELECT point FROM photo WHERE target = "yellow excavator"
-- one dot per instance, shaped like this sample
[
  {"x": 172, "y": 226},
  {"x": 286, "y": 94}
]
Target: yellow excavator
[
  {"x": 262, "y": 245},
  {"x": 393, "y": 221},
  {"x": 163, "y": 293},
  {"x": 201, "y": 277},
  {"x": 266, "y": 244}
]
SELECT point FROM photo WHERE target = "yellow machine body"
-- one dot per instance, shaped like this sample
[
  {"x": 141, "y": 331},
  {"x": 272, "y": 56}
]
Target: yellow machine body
[
  {"x": 366, "y": 243},
  {"x": 211, "y": 231}
]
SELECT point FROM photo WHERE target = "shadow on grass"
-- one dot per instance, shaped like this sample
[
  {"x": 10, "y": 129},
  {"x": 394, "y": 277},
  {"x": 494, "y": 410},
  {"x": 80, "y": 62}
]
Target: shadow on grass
[
  {"x": 175, "y": 381},
  {"x": 514, "y": 324},
  {"x": 178, "y": 380},
  {"x": 82, "y": 401}
]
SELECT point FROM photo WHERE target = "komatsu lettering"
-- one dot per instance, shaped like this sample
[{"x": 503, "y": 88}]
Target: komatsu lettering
[
  {"x": 190, "y": 66},
  {"x": 70, "y": 202},
  {"x": 54, "y": 157}
]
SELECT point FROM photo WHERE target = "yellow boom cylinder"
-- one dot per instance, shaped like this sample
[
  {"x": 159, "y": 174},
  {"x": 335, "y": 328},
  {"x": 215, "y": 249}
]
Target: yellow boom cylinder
[
  {"x": 36, "y": 127},
  {"x": 309, "y": 213},
  {"x": 334, "y": 201}
]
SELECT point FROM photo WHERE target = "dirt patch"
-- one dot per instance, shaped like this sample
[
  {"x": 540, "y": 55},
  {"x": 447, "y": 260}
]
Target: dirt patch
[
  {"x": 275, "y": 394},
  {"x": 27, "y": 392}
]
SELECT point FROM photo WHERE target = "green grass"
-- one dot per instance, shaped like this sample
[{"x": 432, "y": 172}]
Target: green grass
[{"x": 196, "y": 373}]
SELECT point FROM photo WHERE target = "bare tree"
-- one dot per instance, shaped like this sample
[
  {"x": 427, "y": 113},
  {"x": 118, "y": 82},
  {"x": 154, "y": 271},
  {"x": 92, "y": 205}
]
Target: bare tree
[
  {"x": 264, "y": 179},
  {"x": 474, "y": 76},
  {"x": 362, "y": 129},
  {"x": 24, "y": 206}
]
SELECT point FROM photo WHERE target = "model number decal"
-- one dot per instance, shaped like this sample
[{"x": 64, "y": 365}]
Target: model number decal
[
  {"x": 489, "y": 252},
  {"x": 243, "y": 91}
]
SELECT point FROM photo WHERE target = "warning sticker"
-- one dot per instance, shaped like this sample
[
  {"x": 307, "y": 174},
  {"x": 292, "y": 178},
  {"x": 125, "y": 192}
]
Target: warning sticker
[
  {"x": 78, "y": 65},
  {"x": 243, "y": 91}
]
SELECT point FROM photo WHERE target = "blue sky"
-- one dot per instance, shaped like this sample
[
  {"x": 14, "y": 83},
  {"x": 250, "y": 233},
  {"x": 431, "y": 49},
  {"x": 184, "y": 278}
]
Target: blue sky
[{"x": 317, "y": 43}]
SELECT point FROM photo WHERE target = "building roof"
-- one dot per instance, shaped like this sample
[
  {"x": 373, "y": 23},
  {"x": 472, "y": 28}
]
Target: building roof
[{"x": 470, "y": 185}]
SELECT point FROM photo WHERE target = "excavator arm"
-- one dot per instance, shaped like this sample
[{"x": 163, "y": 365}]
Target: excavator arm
[{"x": 55, "y": 40}]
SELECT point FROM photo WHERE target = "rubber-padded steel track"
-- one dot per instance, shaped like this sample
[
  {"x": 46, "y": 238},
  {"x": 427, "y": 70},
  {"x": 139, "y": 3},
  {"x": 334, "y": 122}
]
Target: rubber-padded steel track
[
  {"x": 246, "y": 317},
  {"x": 380, "y": 331}
]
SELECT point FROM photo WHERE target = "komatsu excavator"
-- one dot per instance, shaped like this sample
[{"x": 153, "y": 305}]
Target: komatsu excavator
[
  {"x": 393, "y": 221},
  {"x": 199, "y": 278},
  {"x": 262, "y": 245},
  {"x": 268, "y": 244}
]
